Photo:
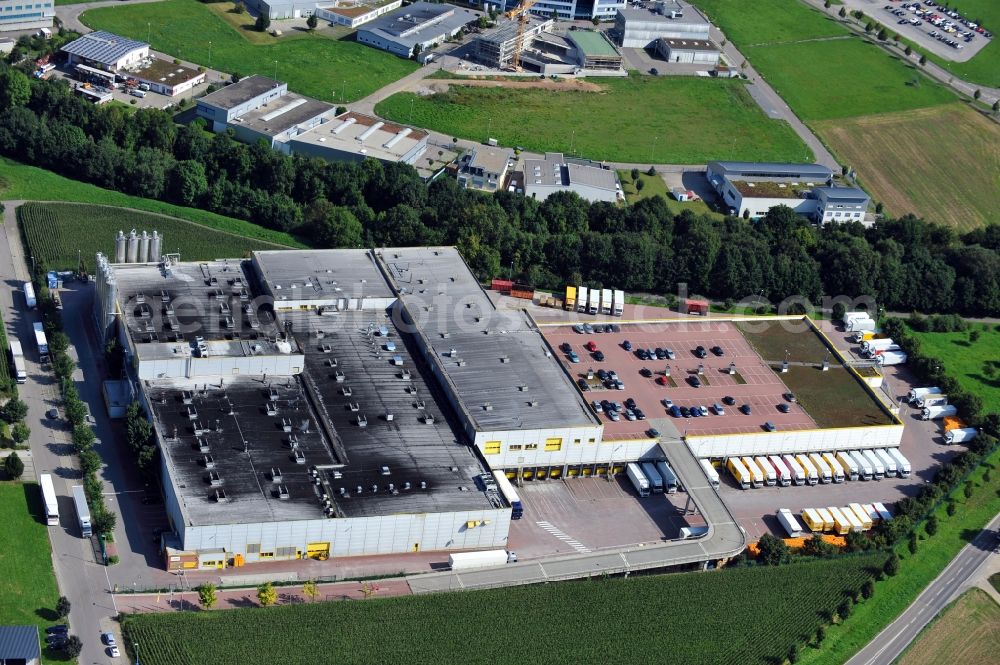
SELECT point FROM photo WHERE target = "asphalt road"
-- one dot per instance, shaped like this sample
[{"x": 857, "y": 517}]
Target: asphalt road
[{"x": 953, "y": 580}]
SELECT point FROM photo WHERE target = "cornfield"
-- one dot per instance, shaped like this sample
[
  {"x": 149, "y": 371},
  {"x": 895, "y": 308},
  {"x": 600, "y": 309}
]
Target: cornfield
[{"x": 740, "y": 616}]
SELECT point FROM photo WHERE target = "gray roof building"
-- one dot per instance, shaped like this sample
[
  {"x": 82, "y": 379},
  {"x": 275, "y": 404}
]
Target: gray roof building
[
  {"x": 554, "y": 173},
  {"x": 422, "y": 23},
  {"x": 106, "y": 50},
  {"x": 812, "y": 172},
  {"x": 19, "y": 645}
]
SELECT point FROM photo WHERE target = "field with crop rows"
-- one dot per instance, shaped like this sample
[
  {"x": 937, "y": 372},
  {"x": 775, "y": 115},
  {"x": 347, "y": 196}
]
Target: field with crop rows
[
  {"x": 55, "y": 232},
  {"x": 694, "y": 619}
]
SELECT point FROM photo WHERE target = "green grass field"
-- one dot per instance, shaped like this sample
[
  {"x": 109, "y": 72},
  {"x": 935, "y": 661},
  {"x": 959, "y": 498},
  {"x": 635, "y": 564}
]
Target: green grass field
[
  {"x": 769, "y": 22},
  {"x": 975, "y": 365},
  {"x": 843, "y": 78},
  {"x": 312, "y": 64},
  {"x": 21, "y": 182},
  {"x": 677, "y": 120},
  {"x": 678, "y": 618},
  {"x": 966, "y": 631},
  {"x": 56, "y": 232},
  {"x": 951, "y": 138},
  {"x": 654, "y": 185},
  {"x": 27, "y": 583},
  {"x": 894, "y": 594}
]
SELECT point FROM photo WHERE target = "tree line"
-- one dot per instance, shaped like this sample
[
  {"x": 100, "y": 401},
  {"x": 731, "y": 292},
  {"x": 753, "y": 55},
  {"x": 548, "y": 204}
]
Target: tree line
[{"x": 906, "y": 264}]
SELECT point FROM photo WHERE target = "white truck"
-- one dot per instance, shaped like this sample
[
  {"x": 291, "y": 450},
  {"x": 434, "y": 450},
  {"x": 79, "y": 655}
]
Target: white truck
[
  {"x": 618, "y": 303},
  {"x": 861, "y": 325},
  {"x": 917, "y": 393},
  {"x": 638, "y": 478},
  {"x": 938, "y": 412},
  {"x": 960, "y": 435},
  {"x": 873, "y": 345},
  {"x": 17, "y": 357},
  {"x": 878, "y": 469},
  {"x": 710, "y": 473},
  {"x": 887, "y": 358},
  {"x": 484, "y": 559},
  {"x": 835, "y": 467},
  {"x": 934, "y": 399},
  {"x": 865, "y": 468},
  {"x": 29, "y": 296},
  {"x": 688, "y": 532},
  {"x": 82, "y": 511},
  {"x": 825, "y": 472},
  {"x": 594, "y": 302},
  {"x": 781, "y": 469},
  {"x": 653, "y": 476},
  {"x": 41, "y": 342},
  {"x": 791, "y": 524},
  {"x": 851, "y": 468},
  {"x": 888, "y": 461},
  {"x": 850, "y": 316},
  {"x": 799, "y": 476},
  {"x": 770, "y": 475},
  {"x": 606, "y": 301},
  {"x": 874, "y": 352},
  {"x": 669, "y": 477},
  {"x": 902, "y": 464},
  {"x": 582, "y": 299}
]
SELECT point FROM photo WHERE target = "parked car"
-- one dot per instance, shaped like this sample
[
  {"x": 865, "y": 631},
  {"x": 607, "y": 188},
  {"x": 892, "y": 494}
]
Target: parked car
[
  {"x": 790, "y": 397},
  {"x": 675, "y": 411},
  {"x": 61, "y": 629},
  {"x": 627, "y": 345},
  {"x": 565, "y": 347},
  {"x": 613, "y": 416},
  {"x": 746, "y": 410},
  {"x": 588, "y": 329},
  {"x": 784, "y": 408},
  {"x": 578, "y": 328},
  {"x": 630, "y": 403},
  {"x": 109, "y": 639},
  {"x": 653, "y": 433},
  {"x": 596, "y": 406},
  {"x": 703, "y": 411},
  {"x": 694, "y": 381},
  {"x": 640, "y": 414},
  {"x": 662, "y": 380},
  {"x": 719, "y": 409},
  {"x": 619, "y": 385},
  {"x": 685, "y": 412},
  {"x": 591, "y": 346},
  {"x": 630, "y": 415},
  {"x": 700, "y": 352},
  {"x": 666, "y": 403},
  {"x": 573, "y": 358},
  {"x": 730, "y": 401},
  {"x": 769, "y": 426},
  {"x": 599, "y": 356},
  {"x": 584, "y": 386},
  {"x": 646, "y": 372},
  {"x": 670, "y": 354},
  {"x": 717, "y": 350}
]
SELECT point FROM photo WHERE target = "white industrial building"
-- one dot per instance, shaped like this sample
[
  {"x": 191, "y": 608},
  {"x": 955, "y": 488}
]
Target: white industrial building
[
  {"x": 355, "y": 136},
  {"x": 107, "y": 51},
  {"x": 602, "y": 10},
  {"x": 554, "y": 173},
  {"x": 641, "y": 28},
  {"x": 22, "y": 15},
  {"x": 690, "y": 51},
  {"x": 422, "y": 24},
  {"x": 167, "y": 78},
  {"x": 352, "y": 14},
  {"x": 221, "y": 107}
]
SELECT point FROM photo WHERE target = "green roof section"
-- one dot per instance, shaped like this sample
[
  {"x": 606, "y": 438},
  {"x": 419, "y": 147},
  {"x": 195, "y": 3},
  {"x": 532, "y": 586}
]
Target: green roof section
[{"x": 592, "y": 43}]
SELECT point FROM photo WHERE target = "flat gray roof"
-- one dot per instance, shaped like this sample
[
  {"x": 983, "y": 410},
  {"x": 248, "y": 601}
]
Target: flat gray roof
[
  {"x": 321, "y": 274},
  {"x": 852, "y": 194},
  {"x": 19, "y": 643},
  {"x": 419, "y": 444},
  {"x": 690, "y": 17},
  {"x": 592, "y": 176},
  {"x": 489, "y": 356},
  {"x": 413, "y": 24},
  {"x": 772, "y": 170},
  {"x": 240, "y": 92},
  {"x": 689, "y": 44},
  {"x": 492, "y": 160},
  {"x": 283, "y": 113},
  {"x": 555, "y": 171},
  {"x": 364, "y": 135},
  {"x": 103, "y": 47}
]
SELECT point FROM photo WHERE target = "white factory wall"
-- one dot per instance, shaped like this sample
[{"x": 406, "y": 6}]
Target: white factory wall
[
  {"x": 802, "y": 441},
  {"x": 570, "y": 453},
  {"x": 356, "y": 536}
]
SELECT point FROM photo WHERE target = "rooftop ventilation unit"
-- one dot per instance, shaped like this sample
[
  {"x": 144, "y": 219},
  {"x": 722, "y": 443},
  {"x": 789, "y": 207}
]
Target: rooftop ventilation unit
[
  {"x": 187, "y": 397},
  {"x": 325, "y": 348},
  {"x": 202, "y": 445},
  {"x": 346, "y": 391},
  {"x": 423, "y": 484},
  {"x": 504, "y": 359},
  {"x": 192, "y": 413},
  {"x": 339, "y": 376},
  {"x": 428, "y": 419},
  {"x": 271, "y": 408},
  {"x": 385, "y": 471},
  {"x": 533, "y": 402},
  {"x": 293, "y": 442},
  {"x": 522, "y": 388},
  {"x": 389, "y": 417},
  {"x": 331, "y": 362},
  {"x": 420, "y": 405},
  {"x": 354, "y": 407},
  {"x": 362, "y": 420},
  {"x": 406, "y": 485},
  {"x": 487, "y": 406},
  {"x": 286, "y": 425},
  {"x": 272, "y": 394}
]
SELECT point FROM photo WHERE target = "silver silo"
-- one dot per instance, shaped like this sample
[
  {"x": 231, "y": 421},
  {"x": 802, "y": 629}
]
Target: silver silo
[
  {"x": 120, "y": 248},
  {"x": 144, "y": 248},
  {"x": 133, "y": 247},
  {"x": 154, "y": 246}
]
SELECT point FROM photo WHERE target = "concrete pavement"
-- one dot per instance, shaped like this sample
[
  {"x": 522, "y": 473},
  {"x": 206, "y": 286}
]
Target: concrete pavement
[{"x": 959, "y": 575}]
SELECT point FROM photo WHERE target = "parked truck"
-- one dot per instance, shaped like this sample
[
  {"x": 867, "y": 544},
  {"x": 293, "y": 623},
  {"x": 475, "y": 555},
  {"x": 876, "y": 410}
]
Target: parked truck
[
  {"x": 812, "y": 473},
  {"x": 739, "y": 472},
  {"x": 710, "y": 473},
  {"x": 934, "y": 399},
  {"x": 788, "y": 521},
  {"x": 902, "y": 464},
  {"x": 82, "y": 511},
  {"x": 917, "y": 393},
  {"x": 865, "y": 469},
  {"x": 799, "y": 476},
  {"x": 756, "y": 475},
  {"x": 887, "y": 358},
  {"x": 828, "y": 523},
  {"x": 770, "y": 475},
  {"x": 835, "y": 468},
  {"x": 784, "y": 474},
  {"x": 852, "y": 519},
  {"x": 878, "y": 469},
  {"x": 606, "y": 301},
  {"x": 688, "y": 532},
  {"x": 938, "y": 412},
  {"x": 825, "y": 472},
  {"x": 883, "y": 512},
  {"x": 841, "y": 525},
  {"x": 618, "y": 303},
  {"x": 594, "y": 302},
  {"x": 874, "y": 352},
  {"x": 29, "y": 296},
  {"x": 851, "y": 469},
  {"x": 669, "y": 477},
  {"x": 863, "y": 515},
  {"x": 812, "y": 519},
  {"x": 888, "y": 461},
  {"x": 17, "y": 360},
  {"x": 569, "y": 300},
  {"x": 638, "y": 478},
  {"x": 850, "y": 316},
  {"x": 873, "y": 345},
  {"x": 961, "y": 435},
  {"x": 582, "y": 298},
  {"x": 861, "y": 325},
  {"x": 484, "y": 559},
  {"x": 653, "y": 476},
  {"x": 41, "y": 342},
  {"x": 867, "y": 335}
]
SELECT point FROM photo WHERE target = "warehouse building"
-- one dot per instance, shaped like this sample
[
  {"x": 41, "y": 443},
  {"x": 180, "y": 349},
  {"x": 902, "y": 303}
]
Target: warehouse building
[
  {"x": 751, "y": 189},
  {"x": 282, "y": 9},
  {"x": 19, "y": 645},
  {"x": 107, "y": 51},
  {"x": 21, "y": 15},
  {"x": 554, "y": 173},
  {"x": 221, "y": 107},
  {"x": 641, "y": 28},
  {"x": 422, "y": 24},
  {"x": 602, "y": 10},
  {"x": 691, "y": 51},
  {"x": 594, "y": 51},
  {"x": 352, "y": 14},
  {"x": 281, "y": 119},
  {"x": 354, "y": 136},
  {"x": 167, "y": 78}
]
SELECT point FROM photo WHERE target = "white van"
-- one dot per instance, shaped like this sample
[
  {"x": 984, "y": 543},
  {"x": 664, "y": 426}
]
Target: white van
[{"x": 137, "y": 93}]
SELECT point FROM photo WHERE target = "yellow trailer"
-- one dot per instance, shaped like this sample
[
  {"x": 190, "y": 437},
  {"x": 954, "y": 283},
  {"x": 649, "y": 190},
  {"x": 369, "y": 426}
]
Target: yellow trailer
[
  {"x": 569, "y": 302},
  {"x": 740, "y": 473},
  {"x": 863, "y": 515},
  {"x": 827, "y": 519},
  {"x": 813, "y": 520},
  {"x": 841, "y": 524}
]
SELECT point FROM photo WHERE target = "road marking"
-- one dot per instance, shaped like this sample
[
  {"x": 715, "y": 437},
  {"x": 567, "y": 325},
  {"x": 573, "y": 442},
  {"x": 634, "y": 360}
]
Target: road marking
[{"x": 558, "y": 533}]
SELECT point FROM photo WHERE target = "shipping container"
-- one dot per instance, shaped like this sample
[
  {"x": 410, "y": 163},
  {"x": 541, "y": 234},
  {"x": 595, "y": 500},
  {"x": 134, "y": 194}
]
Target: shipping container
[
  {"x": 872, "y": 512},
  {"x": 739, "y": 472},
  {"x": 594, "y": 302},
  {"x": 856, "y": 524},
  {"x": 788, "y": 521},
  {"x": 862, "y": 514},
  {"x": 669, "y": 477},
  {"x": 812, "y": 473},
  {"x": 781, "y": 469},
  {"x": 756, "y": 475},
  {"x": 618, "y": 307},
  {"x": 828, "y": 523},
  {"x": 841, "y": 525},
  {"x": 865, "y": 468},
  {"x": 813, "y": 520},
  {"x": 569, "y": 300},
  {"x": 770, "y": 475},
  {"x": 825, "y": 472},
  {"x": 835, "y": 468},
  {"x": 523, "y": 291},
  {"x": 49, "y": 500},
  {"x": 962, "y": 435},
  {"x": 638, "y": 478},
  {"x": 486, "y": 559},
  {"x": 878, "y": 469},
  {"x": 501, "y": 285},
  {"x": 82, "y": 511},
  {"x": 606, "y": 301},
  {"x": 710, "y": 473},
  {"x": 653, "y": 476},
  {"x": 851, "y": 469},
  {"x": 799, "y": 476},
  {"x": 582, "y": 296},
  {"x": 916, "y": 393},
  {"x": 888, "y": 461},
  {"x": 883, "y": 512}
]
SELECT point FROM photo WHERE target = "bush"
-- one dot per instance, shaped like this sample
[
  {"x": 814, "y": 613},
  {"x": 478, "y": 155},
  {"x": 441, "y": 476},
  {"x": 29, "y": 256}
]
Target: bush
[
  {"x": 20, "y": 432},
  {"x": 90, "y": 461},
  {"x": 931, "y": 526},
  {"x": 891, "y": 567},
  {"x": 263, "y": 23},
  {"x": 62, "y": 607},
  {"x": 13, "y": 411},
  {"x": 113, "y": 559},
  {"x": 13, "y": 466}
]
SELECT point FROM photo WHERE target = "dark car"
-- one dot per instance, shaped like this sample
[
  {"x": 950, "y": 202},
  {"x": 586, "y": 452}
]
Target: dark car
[
  {"x": 602, "y": 374},
  {"x": 599, "y": 356},
  {"x": 746, "y": 410},
  {"x": 584, "y": 386},
  {"x": 653, "y": 433},
  {"x": 728, "y": 401},
  {"x": 717, "y": 350},
  {"x": 769, "y": 426},
  {"x": 565, "y": 347},
  {"x": 675, "y": 411},
  {"x": 615, "y": 327},
  {"x": 641, "y": 354},
  {"x": 701, "y": 352},
  {"x": 646, "y": 372},
  {"x": 790, "y": 397},
  {"x": 52, "y": 414},
  {"x": 630, "y": 403},
  {"x": 661, "y": 353},
  {"x": 627, "y": 345},
  {"x": 60, "y": 629},
  {"x": 784, "y": 408},
  {"x": 639, "y": 413},
  {"x": 686, "y": 412},
  {"x": 654, "y": 71},
  {"x": 694, "y": 381},
  {"x": 609, "y": 328}
]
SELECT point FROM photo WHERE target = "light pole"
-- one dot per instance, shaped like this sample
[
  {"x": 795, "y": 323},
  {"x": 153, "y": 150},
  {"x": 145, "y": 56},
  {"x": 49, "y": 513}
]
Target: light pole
[
  {"x": 343, "y": 91},
  {"x": 148, "y": 28},
  {"x": 135, "y": 645},
  {"x": 652, "y": 148},
  {"x": 210, "y": 55},
  {"x": 275, "y": 70},
  {"x": 32, "y": 265},
  {"x": 489, "y": 129}
]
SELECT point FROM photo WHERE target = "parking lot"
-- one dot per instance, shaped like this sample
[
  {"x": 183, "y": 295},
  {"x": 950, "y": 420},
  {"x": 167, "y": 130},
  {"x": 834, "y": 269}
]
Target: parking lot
[
  {"x": 150, "y": 99},
  {"x": 692, "y": 381},
  {"x": 927, "y": 24},
  {"x": 587, "y": 514}
]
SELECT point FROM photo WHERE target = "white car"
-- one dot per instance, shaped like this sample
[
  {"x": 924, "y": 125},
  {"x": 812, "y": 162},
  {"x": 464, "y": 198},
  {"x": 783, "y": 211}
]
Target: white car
[{"x": 114, "y": 652}]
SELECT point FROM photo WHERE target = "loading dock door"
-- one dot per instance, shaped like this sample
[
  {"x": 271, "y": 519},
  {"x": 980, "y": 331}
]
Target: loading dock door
[{"x": 319, "y": 551}]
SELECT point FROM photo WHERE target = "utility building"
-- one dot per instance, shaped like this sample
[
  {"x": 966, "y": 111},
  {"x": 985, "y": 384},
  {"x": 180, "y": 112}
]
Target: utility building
[
  {"x": 107, "y": 51},
  {"x": 20, "y": 15},
  {"x": 422, "y": 24},
  {"x": 641, "y": 28},
  {"x": 555, "y": 173},
  {"x": 692, "y": 51}
]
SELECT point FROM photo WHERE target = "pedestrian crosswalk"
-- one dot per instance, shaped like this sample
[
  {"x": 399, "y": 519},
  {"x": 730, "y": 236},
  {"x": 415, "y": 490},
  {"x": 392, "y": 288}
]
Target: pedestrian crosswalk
[{"x": 558, "y": 533}]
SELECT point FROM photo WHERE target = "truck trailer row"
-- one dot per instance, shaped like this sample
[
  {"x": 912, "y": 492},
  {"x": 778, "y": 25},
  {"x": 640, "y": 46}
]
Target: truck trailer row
[
  {"x": 814, "y": 468},
  {"x": 609, "y": 302},
  {"x": 840, "y": 520}
]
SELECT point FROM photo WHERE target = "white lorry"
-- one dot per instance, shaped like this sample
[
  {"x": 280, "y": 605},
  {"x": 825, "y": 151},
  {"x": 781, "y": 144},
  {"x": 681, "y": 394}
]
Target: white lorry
[
  {"x": 960, "y": 435},
  {"x": 938, "y": 412},
  {"x": 484, "y": 559},
  {"x": 791, "y": 524}
]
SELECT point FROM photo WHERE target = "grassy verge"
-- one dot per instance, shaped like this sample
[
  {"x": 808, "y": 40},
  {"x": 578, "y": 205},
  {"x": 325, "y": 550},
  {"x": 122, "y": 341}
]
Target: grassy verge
[
  {"x": 27, "y": 583},
  {"x": 894, "y": 594},
  {"x": 312, "y": 63},
  {"x": 655, "y": 186},
  {"x": 770, "y": 21},
  {"x": 630, "y": 618},
  {"x": 59, "y": 234},
  {"x": 19, "y": 181},
  {"x": 965, "y": 632},
  {"x": 718, "y": 117},
  {"x": 975, "y": 365}
]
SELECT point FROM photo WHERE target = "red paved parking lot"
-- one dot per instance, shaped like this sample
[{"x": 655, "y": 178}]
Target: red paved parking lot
[{"x": 760, "y": 387}]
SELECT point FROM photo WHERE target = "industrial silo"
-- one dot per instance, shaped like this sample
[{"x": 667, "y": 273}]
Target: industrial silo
[
  {"x": 144, "y": 248},
  {"x": 120, "y": 248},
  {"x": 133, "y": 247},
  {"x": 154, "y": 246}
]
